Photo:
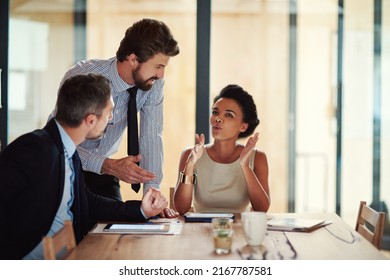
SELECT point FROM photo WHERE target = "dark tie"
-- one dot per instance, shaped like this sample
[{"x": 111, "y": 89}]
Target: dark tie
[
  {"x": 76, "y": 191},
  {"x": 132, "y": 129}
]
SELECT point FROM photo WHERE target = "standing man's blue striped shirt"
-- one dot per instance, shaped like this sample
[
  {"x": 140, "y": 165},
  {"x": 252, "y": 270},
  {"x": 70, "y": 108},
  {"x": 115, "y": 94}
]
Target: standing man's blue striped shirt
[{"x": 149, "y": 104}]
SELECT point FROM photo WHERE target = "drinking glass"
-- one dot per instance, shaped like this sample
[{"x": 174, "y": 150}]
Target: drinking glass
[{"x": 223, "y": 235}]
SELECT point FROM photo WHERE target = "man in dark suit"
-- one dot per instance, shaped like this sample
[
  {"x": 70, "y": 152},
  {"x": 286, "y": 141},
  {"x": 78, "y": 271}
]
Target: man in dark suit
[{"x": 41, "y": 183}]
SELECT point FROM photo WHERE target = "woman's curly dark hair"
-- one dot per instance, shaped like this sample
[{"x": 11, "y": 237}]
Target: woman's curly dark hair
[{"x": 245, "y": 101}]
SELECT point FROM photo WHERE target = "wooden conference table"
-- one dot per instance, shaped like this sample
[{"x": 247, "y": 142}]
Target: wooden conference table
[{"x": 334, "y": 241}]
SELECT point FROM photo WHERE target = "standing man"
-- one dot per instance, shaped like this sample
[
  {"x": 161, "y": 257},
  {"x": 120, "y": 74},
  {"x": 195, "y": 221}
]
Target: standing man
[
  {"x": 140, "y": 62},
  {"x": 41, "y": 180}
]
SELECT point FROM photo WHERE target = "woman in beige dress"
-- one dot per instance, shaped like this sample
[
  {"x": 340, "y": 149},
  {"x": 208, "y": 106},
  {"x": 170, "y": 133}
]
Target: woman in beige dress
[{"x": 225, "y": 176}]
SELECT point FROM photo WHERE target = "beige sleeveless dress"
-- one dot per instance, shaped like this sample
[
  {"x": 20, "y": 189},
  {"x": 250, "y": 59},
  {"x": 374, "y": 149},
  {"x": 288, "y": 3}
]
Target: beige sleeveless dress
[{"x": 220, "y": 187}]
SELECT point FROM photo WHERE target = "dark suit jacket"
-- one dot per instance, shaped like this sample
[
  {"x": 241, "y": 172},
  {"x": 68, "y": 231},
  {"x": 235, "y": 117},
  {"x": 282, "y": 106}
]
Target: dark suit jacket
[{"x": 31, "y": 186}]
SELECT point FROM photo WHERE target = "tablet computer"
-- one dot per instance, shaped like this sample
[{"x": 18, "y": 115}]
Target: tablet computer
[
  {"x": 205, "y": 217},
  {"x": 136, "y": 228}
]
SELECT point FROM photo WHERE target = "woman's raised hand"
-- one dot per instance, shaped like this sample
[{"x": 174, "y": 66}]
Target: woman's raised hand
[
  {"x": 197, "y": 151},
  {"x": 246, "y": 152}
]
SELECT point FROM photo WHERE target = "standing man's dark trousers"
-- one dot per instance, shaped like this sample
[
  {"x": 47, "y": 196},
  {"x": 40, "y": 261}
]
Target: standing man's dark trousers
[{"x": 103, "y": 185}]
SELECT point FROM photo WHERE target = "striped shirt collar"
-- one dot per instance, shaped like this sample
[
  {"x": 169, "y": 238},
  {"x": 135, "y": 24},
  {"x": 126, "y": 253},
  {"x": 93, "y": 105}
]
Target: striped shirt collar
[{"x": 118, "y": 84}]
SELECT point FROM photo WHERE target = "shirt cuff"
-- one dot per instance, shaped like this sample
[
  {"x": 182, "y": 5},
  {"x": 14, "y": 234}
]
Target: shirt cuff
[
  {"x": 147, "y": 187},
  {"x": 143, "y": 214}
]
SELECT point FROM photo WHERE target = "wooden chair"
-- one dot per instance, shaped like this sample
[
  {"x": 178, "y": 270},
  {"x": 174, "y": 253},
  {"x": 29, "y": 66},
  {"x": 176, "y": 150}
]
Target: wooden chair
[
  {"x": 370, "y": 224},
  {"x": 171, "y": 193},
  {"x": 62, "y": 242}
]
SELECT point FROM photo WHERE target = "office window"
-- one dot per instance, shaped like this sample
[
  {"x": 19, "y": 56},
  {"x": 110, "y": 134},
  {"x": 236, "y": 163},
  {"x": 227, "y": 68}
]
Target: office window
[
  {"x": 385, "y": 103},
  {"x": 40, "y": 51},
  {"x": 249, "y": 47}
]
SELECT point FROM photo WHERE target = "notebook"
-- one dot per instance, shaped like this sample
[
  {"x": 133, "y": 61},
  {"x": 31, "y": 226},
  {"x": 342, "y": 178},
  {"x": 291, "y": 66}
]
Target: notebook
[
  {"x": 205, "y": 217},
  {"x": 295, "y": 224}
]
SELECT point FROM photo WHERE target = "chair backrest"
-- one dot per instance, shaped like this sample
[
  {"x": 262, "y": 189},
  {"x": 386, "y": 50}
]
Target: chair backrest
[
  {"x": 171, "y": 193},
  {"x": 61, "y": 243},
  {"x": 370, "y": 224}
]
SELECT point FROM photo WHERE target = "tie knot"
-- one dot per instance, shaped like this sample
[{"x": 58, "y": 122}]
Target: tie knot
[{"x": 132, "y": 91}]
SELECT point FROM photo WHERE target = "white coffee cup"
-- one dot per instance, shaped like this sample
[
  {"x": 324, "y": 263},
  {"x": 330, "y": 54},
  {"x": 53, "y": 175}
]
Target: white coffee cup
[{"x": 255, "y": 226}]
